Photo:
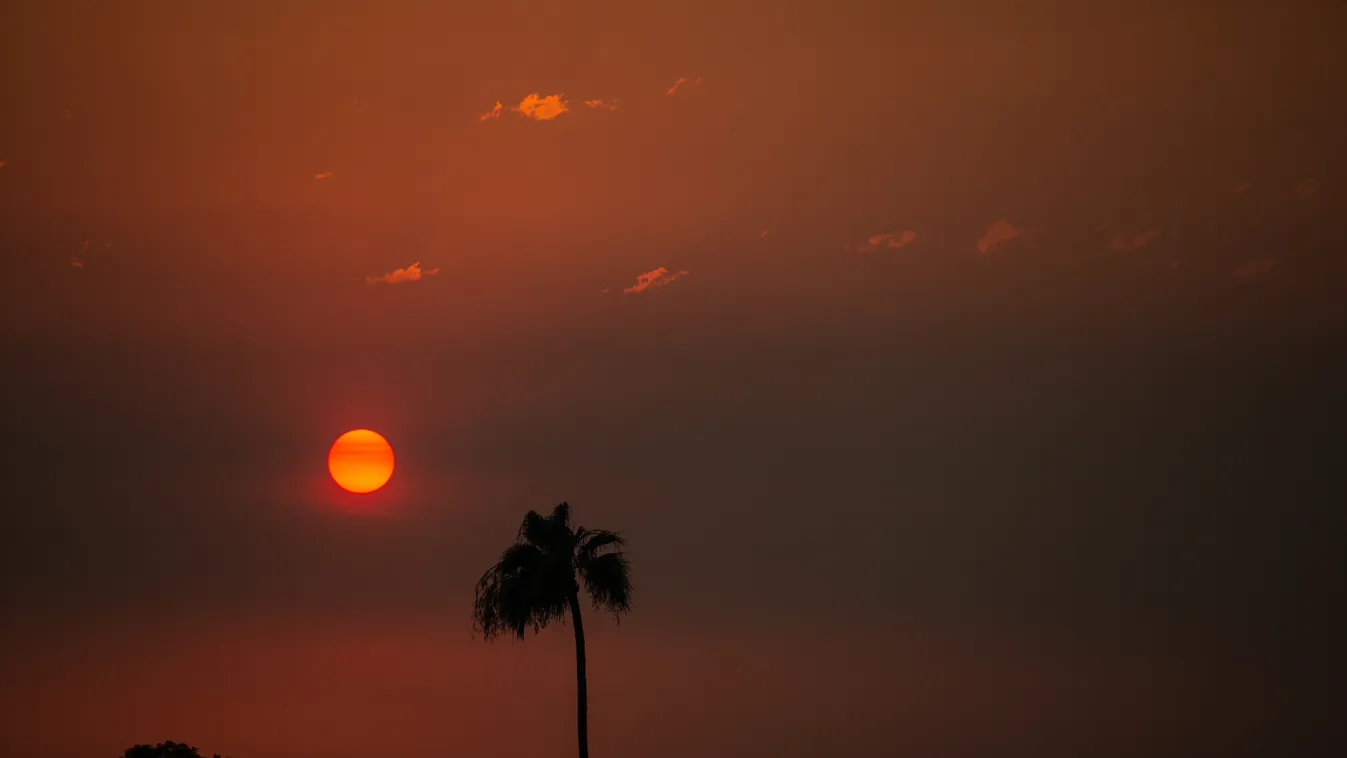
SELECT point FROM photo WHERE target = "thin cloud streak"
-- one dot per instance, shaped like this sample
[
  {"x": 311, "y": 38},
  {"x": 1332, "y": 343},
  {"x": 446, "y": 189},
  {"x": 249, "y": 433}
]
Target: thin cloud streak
[
  {"x": 602, "y": 105},
  {"x": 323, "y": 175},
  {"x": 534, "y": 106},
  {"x": 1123, "y": 244},
  {"x": 653, "y": 279},
  {"x": 889, "y": 240},
  {"x": 543, "y": 108},
  {"x": 683, "y": 83},
  {"x": 410, "y": 274},
  {"x": 1000, "y": 232}
]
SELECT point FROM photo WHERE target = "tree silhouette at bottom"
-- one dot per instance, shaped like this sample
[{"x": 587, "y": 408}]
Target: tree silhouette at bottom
[{"x": 168, "y": 749}]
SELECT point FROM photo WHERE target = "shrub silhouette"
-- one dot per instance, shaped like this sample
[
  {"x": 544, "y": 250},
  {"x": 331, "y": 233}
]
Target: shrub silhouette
[{"x": 168, "y": 749}]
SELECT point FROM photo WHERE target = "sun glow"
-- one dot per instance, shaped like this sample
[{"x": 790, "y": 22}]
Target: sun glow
[{"x": 360, "y": 461}]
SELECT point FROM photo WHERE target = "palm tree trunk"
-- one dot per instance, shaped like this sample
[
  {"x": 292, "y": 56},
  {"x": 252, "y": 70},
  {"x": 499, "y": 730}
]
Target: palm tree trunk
[{"x": 582, "y": 698}]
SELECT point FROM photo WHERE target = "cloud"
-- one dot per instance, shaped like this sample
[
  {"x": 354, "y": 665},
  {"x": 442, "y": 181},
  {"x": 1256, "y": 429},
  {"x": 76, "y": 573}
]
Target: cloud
[
  {"x": 999, "y": 232},
  {"x": 323, "y": 175},
  {"x": 1308, "y": 188},
  {"x": 891, "y": 240},
  {"x": 1256, "y": 268},
  {"x": 542, "y": 108},
  {"x": 1239, "y": 188},
  {"x": 410, "y": 274},
  {"x": 87, "y": 253},
  {"x": 3, "y": 164},
  {"x": 533, "y": 106},
  {"x": 683, "y": 83},
  {"x": 764, "y": 234},
  {"x": 1121, "y": 243},
  {"x": 602, "y": 105},
  {"x": 652, "y": 279}
]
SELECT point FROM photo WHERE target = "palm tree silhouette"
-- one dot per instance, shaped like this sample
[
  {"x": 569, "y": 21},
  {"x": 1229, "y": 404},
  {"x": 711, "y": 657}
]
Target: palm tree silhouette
[{"x": 538, "y": 579}]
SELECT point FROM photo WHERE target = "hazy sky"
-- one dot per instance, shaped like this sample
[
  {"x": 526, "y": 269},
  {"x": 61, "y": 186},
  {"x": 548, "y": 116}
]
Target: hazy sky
[{"x": 967, "y": 377}]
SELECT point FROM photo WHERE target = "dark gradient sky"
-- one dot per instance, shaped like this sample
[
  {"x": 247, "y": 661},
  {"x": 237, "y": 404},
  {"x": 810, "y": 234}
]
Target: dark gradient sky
[{"x": 1065, "y": 497}]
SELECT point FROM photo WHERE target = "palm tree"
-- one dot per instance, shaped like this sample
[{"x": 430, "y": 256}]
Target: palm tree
[{"x": 538, "y": 579}]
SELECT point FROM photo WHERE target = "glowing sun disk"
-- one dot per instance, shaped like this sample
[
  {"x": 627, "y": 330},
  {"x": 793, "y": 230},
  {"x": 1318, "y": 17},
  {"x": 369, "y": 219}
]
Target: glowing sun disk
[{"x": 360, "y": 461}]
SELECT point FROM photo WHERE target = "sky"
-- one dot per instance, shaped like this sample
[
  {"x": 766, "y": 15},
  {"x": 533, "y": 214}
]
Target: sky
[{"x": 967, "y": 378}]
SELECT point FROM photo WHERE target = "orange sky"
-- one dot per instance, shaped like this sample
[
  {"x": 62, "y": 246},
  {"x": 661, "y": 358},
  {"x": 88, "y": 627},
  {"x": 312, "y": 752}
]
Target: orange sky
[{"x": 989, "y": 347}]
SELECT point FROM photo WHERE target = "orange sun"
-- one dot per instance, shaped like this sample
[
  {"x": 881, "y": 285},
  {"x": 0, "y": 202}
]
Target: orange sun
[{"x": 360, "y": 461}]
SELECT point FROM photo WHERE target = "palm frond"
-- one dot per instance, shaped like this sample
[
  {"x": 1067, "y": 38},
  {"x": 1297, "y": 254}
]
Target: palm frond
[
  {"x": 533, "y": 529},
  {"x": 551, "y": 531},
  {"x": 561, "y": 517},
  {"x": 562, "y": 513},
  {"x": 523, "y": 590},
  {"x": 591, "y": 543},
  {"x": 608, "y": 581}
]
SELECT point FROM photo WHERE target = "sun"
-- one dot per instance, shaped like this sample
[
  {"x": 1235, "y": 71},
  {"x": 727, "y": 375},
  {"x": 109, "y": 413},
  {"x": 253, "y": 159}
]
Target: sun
[{"x": 360, "y": 461}]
